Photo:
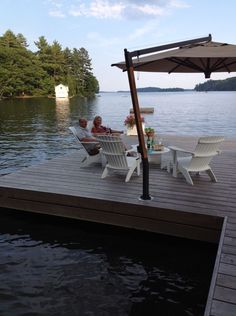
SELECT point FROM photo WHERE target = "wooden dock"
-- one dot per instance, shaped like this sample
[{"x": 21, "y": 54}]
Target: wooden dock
[
  {"x": 205, "y": 211},
  {"x": 146, "y": 110}
]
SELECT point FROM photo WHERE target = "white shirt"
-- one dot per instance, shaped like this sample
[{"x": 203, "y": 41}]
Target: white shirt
[{"x": 85, "y": 133}]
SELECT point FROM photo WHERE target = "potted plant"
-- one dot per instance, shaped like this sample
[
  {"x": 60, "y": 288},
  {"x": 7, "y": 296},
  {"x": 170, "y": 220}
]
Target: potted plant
[
  {"x": 131, "y": 124},
  {"x": 149, "y": 131}
]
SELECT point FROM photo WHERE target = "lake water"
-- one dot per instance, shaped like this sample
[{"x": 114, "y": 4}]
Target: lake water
[
  {"x": 32, "y": 130},
  {"x": 59, "y": 267}
]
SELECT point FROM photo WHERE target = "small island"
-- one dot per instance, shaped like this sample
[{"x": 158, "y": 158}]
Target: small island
[
  {"x": 228, "y": 84},
  {"x": 156, "y": 89}
]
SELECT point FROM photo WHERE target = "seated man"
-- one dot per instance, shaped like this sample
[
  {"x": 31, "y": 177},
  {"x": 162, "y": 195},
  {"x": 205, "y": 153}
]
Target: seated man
[{"x": 90, "y": 143}]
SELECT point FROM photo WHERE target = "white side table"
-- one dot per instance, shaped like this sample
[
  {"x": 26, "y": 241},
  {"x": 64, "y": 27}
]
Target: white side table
[{"x": 156, "y": 156}]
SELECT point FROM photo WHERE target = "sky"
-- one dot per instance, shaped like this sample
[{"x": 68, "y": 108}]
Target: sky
[{"x": 106, "y": 27}]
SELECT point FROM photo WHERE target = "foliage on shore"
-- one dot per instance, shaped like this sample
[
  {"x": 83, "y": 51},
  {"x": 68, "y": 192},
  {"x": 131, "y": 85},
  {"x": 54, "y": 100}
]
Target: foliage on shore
[
  {"x": 27, "y": 73},
  {"x": 228, "y": 84}
]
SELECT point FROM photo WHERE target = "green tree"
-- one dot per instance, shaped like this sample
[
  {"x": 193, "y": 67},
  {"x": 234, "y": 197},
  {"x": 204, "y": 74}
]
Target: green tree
[
  {"x": 20, "y": 72},
  {"x": 81, "y": 71},
  {"x": 52, "y": 60},
  {"x": 57, "y": 62},
  {"x": 24, "y": 72},
  {"x": 91, "y": 85},
  {"x": 228, "y": 84}
]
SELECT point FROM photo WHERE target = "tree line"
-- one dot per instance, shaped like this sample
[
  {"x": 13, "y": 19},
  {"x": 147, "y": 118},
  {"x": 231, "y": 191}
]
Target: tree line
[
  {"x": 27, "y": 73},
  {"x": 228, "y": 84}
]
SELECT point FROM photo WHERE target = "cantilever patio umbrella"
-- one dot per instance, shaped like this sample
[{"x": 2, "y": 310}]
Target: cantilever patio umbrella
[{"x": 200, "y": 55}]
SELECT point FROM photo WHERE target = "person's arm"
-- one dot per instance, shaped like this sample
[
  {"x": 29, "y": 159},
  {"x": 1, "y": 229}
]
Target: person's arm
[
  {"x": 100, "y": 131},
  {"x": 110, "y": 130},
  {"x": 94, "y": 131}
]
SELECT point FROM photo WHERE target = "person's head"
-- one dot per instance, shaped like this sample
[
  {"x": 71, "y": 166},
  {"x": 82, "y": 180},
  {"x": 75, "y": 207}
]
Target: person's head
[
  {"x": 83, "y": 122},
  {"x": 97, "y": 121}
]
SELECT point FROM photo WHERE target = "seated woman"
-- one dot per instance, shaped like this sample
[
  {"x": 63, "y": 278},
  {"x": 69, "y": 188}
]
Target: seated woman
[{"x": 98, "y": 128}]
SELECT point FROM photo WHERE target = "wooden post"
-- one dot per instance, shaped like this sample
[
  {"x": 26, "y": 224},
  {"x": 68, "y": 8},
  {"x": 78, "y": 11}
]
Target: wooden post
[{"x": 142, "y": 147}]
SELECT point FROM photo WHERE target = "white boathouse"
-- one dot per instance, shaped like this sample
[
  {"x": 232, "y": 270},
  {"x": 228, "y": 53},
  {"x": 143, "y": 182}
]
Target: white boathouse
[{"x": 61, "y": 91}]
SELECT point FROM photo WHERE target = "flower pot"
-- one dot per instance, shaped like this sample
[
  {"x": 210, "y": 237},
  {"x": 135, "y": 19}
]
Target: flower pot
[{"x": 132, "y": 131}]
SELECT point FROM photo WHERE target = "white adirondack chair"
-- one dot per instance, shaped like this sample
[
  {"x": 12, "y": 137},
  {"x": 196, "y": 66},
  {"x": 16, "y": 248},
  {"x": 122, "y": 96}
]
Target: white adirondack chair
[
  {"x": 198, "y": 160},
  {"x": 116, "y": 156},
  {"x": 87, "y": 159}
]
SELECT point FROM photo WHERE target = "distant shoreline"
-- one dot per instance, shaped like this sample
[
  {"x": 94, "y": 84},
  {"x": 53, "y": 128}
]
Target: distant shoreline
[
  {"x": 184, "y": 90},
  {"x": 141, "y": 90},
  {"x": 156, "y": 89}
]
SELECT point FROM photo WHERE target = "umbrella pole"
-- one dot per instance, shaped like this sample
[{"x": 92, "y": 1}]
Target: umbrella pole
[{"x": 142, "y": 147}]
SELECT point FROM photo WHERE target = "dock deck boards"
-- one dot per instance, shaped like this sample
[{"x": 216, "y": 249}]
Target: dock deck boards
[{"x": 60, "y": 187}]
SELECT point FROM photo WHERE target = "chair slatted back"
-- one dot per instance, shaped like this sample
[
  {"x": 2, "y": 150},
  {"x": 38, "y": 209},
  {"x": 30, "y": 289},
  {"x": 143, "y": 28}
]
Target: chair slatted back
[
  {"x": 206, "y": 149},
  {"x": 114, "y": 151},
  {"x": 73, "y": 130}
]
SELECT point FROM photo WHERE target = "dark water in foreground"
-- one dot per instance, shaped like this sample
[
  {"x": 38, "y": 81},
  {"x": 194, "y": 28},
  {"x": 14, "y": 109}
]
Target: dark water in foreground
[{"x": 54, "y": 266}]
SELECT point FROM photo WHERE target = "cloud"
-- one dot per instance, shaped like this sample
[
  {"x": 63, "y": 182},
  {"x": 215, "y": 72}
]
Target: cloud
[
  {"x": 136, "y": 11},
  {"x": 179, "y": 4},
  {"x": 99, "y": 8},
  {"x": 113, "y": 9},
  {"x": 57, "y": 14},
  {"x": 57, "y": 8},
  {"x": 104, "y": 9},
  {"x": 56, "y": 3}
]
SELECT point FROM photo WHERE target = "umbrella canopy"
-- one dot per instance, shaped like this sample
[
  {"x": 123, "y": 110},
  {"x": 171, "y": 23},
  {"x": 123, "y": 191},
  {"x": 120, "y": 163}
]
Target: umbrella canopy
[{"x": 205, "y": 57}]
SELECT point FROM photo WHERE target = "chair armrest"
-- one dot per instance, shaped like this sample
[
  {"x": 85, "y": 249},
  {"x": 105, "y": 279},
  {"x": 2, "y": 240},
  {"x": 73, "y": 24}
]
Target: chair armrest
[
  {"x": 133, "y": 148},
  {"x": 95, "y": 143},
  {"x": 174, "y": 148},
  {"x": 129, "y": 150},
  {"x": 132, "y": 151}
]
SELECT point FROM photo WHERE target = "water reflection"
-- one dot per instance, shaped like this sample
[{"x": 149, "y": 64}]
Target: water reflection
[
  {"x": 60, "y": 267},
  {"x": 62, "y": 101},
  {"x": 62, "y": 112}
]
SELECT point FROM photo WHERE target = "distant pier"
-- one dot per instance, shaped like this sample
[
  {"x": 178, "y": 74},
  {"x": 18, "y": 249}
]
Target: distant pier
[{"x": 146, "y": 110}]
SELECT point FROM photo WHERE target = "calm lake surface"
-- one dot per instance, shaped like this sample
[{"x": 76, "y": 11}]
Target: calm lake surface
[
  {"x": 59, "y": 267},
  {"x": 32, "y": 130}
]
